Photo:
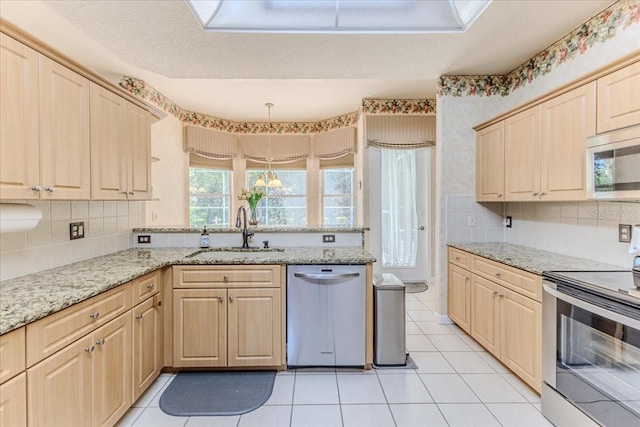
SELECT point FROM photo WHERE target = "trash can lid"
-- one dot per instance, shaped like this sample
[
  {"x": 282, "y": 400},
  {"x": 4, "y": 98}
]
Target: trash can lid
[{"x": 389, "y": 281}]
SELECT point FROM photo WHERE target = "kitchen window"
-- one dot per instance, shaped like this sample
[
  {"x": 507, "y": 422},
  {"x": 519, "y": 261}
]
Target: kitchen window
[
  {"x": 337, "y": 197},
  {"x": 286, "y": 205},
  {"x": 209, "y": 196}
]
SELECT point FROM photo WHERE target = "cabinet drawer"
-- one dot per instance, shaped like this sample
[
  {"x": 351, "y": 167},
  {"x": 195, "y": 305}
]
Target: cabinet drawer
[
  {"x": 12, "y": 354},
  {"x": 145, "y": 286},
  {"x": 60, "y": 329},
  {"x": 460, "y": 258},
  {"x": 524, "y": 283},
  {"x": 226, "y": 276}
]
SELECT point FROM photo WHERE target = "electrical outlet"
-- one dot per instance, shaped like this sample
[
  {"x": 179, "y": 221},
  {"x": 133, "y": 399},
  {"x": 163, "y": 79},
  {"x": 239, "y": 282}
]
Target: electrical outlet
[
  {"x": 624, "y": 233},
  {"x": 507, "y": 222},
  {"x": 471, "y": 221},
  {"x": 76, "y": 230},
  {"x": 328, "y": 238},
  {"x": 144, "y": 238}
]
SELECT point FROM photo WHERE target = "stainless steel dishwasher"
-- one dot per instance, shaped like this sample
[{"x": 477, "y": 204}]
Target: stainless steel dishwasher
[{"x": 326, "y": 315}]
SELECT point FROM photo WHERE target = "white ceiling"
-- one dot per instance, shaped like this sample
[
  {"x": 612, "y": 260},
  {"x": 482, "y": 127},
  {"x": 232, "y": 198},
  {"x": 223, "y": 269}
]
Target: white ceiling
[{"x": 307, "y": 76}]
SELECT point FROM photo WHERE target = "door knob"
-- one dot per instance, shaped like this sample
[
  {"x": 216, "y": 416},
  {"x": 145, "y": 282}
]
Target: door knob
[{"x": 421, "y": 228}]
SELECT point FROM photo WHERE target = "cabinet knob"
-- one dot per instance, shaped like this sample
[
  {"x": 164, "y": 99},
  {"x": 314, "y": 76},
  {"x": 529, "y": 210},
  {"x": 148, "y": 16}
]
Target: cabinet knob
[
  {"x": 90, "y": 349},
  {"x": 225, "y": 279},
  {"x": 100, "y": 342},
  {"x": 49, "y": 189},
  {"x": 139, "y": 316},
  {"x": 36, "y": 188},
  {"x": 501, "y": 295},
  {"x": 498, "y": 274},
  {"x": 495, "y": 293},
  {"x": 150, "y": 286},
  {"x": 123, "y": 192},
  {"x": 499, "y": 195},
  {"x": 457, "y": 258},
  {"x": 230, "y": 298},
  {"x": 544, "y": 193},
  {"x": 130, "y": 193},
  {"x": 535, "y": 194},
  {"x": 94, "y": 315}
]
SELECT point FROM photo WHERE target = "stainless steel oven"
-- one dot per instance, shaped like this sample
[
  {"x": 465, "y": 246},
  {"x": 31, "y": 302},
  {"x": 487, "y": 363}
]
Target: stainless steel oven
[{"x": 591, "y": 349}]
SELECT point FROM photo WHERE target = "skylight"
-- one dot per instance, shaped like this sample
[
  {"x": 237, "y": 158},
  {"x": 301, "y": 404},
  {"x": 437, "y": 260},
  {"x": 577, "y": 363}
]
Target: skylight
[{"x": 337, "y": 16}]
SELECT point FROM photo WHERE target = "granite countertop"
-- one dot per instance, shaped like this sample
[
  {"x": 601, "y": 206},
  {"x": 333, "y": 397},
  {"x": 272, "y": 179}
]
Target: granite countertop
[
  {"x": 28, "y": 298},
  {"x": 535, "y": 261}
]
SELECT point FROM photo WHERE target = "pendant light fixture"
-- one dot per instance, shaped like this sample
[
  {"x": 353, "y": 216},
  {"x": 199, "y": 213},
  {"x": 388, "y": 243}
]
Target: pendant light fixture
[{"x": 272, "y": 180}]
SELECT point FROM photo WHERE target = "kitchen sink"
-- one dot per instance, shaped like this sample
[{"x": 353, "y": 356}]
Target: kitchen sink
[{"x": 214, "y": 252}]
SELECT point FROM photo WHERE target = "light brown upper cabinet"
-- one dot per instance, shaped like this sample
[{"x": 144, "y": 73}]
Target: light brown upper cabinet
[
  {"x": 544, "y": 147},
  {"x": 120, "y": 148},
  {"x": 619, "y": 99},
  {"x": 44, "y": 125},
  {"x": 522, "y": 155},
  {"x": 490, "y": 163}
]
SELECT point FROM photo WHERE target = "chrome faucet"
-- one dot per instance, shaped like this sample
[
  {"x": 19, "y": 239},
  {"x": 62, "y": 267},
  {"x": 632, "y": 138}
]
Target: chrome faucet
[{"x": 245, "y": 233}]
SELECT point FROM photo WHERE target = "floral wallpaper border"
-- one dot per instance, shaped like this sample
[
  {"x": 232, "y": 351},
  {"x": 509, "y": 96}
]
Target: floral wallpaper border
[
  {"x": 598, "y": 29},
  {"x": 399, "y": 106},
  {"x": 142, "y": 90}
]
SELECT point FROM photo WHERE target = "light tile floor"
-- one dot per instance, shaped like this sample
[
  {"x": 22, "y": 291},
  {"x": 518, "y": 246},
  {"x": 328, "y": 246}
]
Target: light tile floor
[{"x": 457, "y": 383}]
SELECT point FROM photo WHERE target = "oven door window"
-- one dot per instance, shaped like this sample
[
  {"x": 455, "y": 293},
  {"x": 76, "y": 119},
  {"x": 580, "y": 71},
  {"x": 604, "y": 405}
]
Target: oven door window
[
  {"x": 617, "y": 170},
  {"x": 598, "y": 366}
]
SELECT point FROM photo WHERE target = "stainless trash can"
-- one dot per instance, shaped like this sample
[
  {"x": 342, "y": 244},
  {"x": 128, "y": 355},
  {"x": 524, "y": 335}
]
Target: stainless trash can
[{"x": 389, "y": 324}]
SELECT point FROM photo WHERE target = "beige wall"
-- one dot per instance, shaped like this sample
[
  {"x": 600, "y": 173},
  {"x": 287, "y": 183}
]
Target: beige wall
[{"x": 170, "y": 176}]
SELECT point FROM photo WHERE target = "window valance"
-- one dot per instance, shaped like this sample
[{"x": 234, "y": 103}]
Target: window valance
[
  {"x": 400, "y": 132},
  {"x": 335, "y": 148},
  {"x": 284, "y": 148},
  {"x": 210, "y": 148}
]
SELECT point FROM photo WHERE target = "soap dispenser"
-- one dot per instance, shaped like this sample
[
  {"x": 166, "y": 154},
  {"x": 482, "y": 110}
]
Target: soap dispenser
[{"x": 204, "y": 238}]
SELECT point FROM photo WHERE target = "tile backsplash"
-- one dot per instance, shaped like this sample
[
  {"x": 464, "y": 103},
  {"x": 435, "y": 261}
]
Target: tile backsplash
[
  {"x": 486, "y": 220},
  {"x": 107, "y": 229}
]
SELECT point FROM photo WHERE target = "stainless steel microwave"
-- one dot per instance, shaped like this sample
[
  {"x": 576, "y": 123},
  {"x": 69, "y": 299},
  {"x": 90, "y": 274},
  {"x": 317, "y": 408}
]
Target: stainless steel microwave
[{"x": 613, "y": 165}]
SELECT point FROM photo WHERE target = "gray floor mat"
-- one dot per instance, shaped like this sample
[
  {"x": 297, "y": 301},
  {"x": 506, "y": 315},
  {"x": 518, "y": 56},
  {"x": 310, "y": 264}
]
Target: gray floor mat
[{"x": 217, "y": 393}]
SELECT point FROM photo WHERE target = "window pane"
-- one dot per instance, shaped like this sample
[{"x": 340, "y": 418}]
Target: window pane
[
  {"x": 209, "y": 198},
  {"x": 337, "y": 199},
  {"x": 286, "y": 205}
]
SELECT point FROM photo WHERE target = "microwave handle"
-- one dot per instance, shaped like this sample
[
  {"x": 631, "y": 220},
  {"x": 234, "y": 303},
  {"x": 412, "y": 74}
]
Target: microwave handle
[{"x": 607, "y": 314}]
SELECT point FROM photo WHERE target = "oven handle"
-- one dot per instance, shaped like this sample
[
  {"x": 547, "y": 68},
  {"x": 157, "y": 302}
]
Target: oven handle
[{"x": 607, "y": 314}]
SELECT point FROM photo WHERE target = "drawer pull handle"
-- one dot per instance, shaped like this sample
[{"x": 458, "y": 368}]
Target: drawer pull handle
[
  {"x": 535, "y": 194},
  {"x": 139, "y": 316},
  {"x": 495, "y": 293},
  {"x": 501, "y": 295},
  {"x": 220, "y": 298},
  {"x": 225, "y": 278},
  {"x": 130, "y": 193},
  {"x": 100, "y": 342},
  {"x": 498, "y": 274},
  {"x": 230, "y": 298},
  {"x": 150, "y": 286},
  {"x": 95, "y": 315},
  {"x": 457, "y": 258},
  {"x": 90, "y": 349}
]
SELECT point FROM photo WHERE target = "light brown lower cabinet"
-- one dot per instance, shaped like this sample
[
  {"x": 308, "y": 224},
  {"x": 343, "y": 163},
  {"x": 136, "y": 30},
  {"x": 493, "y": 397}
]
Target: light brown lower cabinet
[
  {"x": 147, "y": 347},
  {"x": 13, "y": 402},
  {"x": 88, "y": 383},
  {"x": 458, "y": 297},
  {"x": 509, "y": 325}
]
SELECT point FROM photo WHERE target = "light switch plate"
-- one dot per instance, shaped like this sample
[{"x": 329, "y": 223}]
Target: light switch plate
[{"x": 624, "y": 233}]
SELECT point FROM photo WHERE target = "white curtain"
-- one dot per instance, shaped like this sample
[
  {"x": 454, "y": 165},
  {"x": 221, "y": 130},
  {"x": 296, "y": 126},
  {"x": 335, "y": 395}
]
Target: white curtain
[{"x": 399, "y": 213}]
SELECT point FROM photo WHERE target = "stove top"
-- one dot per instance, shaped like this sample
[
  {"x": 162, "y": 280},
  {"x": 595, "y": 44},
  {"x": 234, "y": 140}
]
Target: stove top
[{"x": 623, "y": 285}]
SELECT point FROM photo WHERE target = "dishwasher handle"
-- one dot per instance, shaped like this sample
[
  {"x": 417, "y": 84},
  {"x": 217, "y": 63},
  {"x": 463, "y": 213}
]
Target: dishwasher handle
[{"x": 325, "y": 276}]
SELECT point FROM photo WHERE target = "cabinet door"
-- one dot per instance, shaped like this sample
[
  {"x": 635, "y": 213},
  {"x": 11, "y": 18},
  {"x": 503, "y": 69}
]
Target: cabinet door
[
  {"x": 522, "y": 155},
  {"x": 13, "y": 402},
  {"x": 12, "y": 354},
  {"x": 147, "y": 344},
  {"x": 567, "y": 121},
  {"x": 485, "y": 313},
  {"x": 619, "y": 99},
  {"x": 64, "y": 133},
  {"x": 459, "y": 297},
  {"x": 139, "y": 146},
  {"x": 490, "y": 163},
  {"x": 521, "y": 337},
  {"x": 108, "y": 158},
  {"x": 19, "y": 150},
  {"x": 60, "y": 392},
  {"x": 199, "y": 327},
  {"x": 254, "y": 327},
  {"x": 112, "y": 371}
]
